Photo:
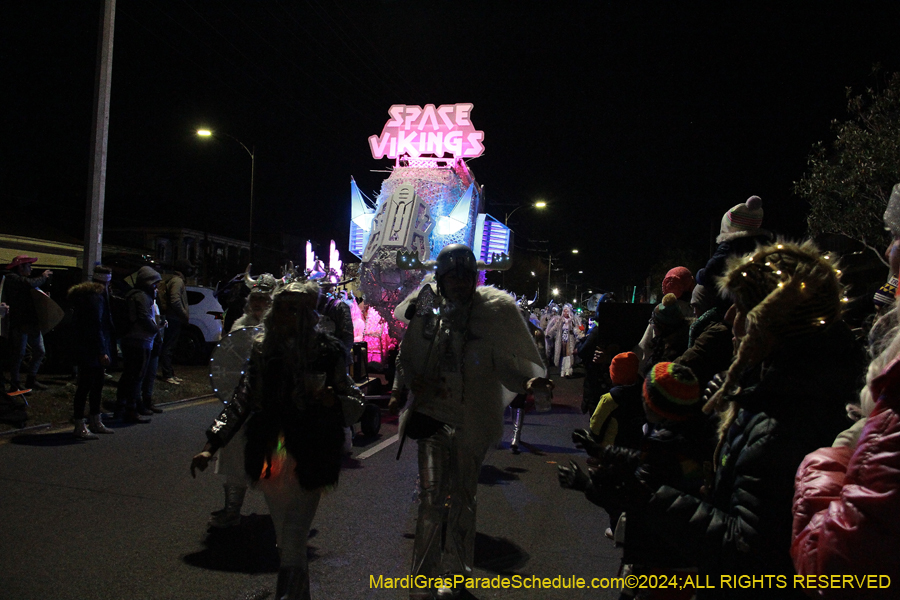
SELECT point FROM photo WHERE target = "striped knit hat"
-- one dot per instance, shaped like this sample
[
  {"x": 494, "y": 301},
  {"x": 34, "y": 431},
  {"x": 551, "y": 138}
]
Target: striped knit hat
[
  {"x": 886, "y": 293},
  {"x": 743, "y": 217},
  {"x": 672, "y": 391}
]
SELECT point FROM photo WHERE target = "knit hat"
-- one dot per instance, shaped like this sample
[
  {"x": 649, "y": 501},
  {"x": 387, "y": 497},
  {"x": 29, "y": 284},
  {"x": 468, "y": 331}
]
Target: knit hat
[
  {"x": 678, "y": 281},
  {"x": 623, "y": 370},
  {"x": 102, "y": 274},
  {"x": 667, "y": 311},
  {"x": 672, "y": 391},
  {"x": 886, "y": 293},
  {"x": 747, "y": 216},
  {"x": 147, "y": 276},
  {"x": 702, "y": 299}
]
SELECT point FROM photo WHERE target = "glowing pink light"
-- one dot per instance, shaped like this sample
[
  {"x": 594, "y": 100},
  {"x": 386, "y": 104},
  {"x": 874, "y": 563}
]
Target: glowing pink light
[{"x": 415, "y": 131}]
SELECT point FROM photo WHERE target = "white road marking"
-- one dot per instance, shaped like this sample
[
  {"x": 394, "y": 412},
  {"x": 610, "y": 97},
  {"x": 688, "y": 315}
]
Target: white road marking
[{"x": 385, "y": 444}]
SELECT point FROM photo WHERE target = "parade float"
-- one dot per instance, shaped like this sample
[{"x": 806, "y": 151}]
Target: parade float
[{"x": 431, "y": 199}]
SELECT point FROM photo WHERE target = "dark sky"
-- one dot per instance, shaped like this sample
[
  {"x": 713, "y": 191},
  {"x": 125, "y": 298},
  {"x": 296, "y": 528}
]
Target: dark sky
[{"x": 638, "y": 121}]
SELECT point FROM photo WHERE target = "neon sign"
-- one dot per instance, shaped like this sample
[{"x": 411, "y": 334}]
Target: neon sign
[{"x": 414, "y": 131}]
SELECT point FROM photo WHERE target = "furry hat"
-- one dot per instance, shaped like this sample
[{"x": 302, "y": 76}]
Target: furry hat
[
  {"x": 783, "y": 290},
  {"x": 672, "y": 391},
  {"x": 667, "y": 311},
  {"x": 741, "y": 218},
  {"x": 678, "y": 281},
  {"x": 623, "y": 370}
]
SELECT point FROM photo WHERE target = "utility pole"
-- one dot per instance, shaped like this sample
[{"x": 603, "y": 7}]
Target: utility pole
[
  {"x": 549, "y": 271},
  {"x": 93, "y": 223}
]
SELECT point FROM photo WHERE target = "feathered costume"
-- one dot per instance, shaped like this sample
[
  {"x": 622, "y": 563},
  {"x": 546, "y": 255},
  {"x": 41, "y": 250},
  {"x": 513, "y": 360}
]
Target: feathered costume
[{"x": 467, "y": 362}]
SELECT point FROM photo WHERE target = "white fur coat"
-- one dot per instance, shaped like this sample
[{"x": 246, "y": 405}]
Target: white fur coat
[{"x": 499, "y": 356}]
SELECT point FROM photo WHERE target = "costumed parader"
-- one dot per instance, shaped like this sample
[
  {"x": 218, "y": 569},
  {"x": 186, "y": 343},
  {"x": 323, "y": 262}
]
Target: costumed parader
[
  {"x": 465, "y": 355},
  {"x": 293, "y": 405},
  {"x": 518, "y": 405},
  {"x": 564, "y": 330},
  {"x": 258, "y": 301},
  {"x": 231, "y": 457}
]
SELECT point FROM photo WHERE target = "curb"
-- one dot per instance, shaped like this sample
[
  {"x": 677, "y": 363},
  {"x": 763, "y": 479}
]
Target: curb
[
  {"x": 25, "y": 429},
  {"x": 106, "y": 415}
]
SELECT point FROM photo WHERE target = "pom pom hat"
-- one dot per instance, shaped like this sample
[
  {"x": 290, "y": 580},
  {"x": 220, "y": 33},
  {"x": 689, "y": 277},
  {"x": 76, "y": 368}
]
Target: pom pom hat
[
  {"x": 745, "y": 217},
  {"x": 623, "y": 370},
  {"x": 672, "y": 391},
  {"x": 667, "y": 311}
]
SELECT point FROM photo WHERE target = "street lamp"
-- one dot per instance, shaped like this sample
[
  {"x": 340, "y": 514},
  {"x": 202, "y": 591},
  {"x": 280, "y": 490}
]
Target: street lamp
[
  {"x": 252, "y": 152},
  {"x": 539, "y": 204}
]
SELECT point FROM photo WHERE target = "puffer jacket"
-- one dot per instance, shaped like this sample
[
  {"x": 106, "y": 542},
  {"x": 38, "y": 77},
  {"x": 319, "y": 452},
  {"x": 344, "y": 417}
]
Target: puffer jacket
[
  {"x": 796, "y": 405},
  {"x": 847, "y": 501}
]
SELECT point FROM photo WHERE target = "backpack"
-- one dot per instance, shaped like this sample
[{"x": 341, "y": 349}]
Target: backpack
[
  {"x": 118, "y": 309},
  {"x": 162, "y": 295}
]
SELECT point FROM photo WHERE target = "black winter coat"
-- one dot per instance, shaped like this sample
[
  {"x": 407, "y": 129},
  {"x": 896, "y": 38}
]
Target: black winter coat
[
  {"x": 92, "y": 326},
  {"x": 795, "y": 406}
]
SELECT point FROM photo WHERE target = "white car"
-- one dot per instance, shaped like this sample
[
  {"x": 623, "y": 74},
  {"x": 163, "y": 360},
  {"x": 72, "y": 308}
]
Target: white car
[{"x": 204, "y": 330}]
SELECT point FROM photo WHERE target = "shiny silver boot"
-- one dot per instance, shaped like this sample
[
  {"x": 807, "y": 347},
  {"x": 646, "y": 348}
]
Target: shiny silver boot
[
  {"x": 518, "y": 419},
  {"x": 230, "y": 516},
  {"x": 293, "y": 584}
]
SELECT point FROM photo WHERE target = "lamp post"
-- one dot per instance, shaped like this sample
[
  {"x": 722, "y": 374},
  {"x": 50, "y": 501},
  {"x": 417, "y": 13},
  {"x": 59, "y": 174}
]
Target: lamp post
[
  {"x": 252, "y": 152},
  {"x": 538, "y": 205}
]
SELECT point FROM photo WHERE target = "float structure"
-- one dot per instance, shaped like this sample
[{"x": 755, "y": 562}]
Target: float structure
[{"x": 431, "y": 199}]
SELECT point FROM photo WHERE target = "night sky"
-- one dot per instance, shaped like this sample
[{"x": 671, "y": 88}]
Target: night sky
[{"x": 639, "y": 122}]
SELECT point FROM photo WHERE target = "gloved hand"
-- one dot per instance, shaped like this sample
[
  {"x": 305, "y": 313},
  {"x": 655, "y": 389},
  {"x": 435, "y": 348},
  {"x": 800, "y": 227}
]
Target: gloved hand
[
  {"x": 573, "y": 477},
  {"x": 712, "y": 387},
  {"x": 617, "y": 493},
  {"x": 584, "y": 439}
]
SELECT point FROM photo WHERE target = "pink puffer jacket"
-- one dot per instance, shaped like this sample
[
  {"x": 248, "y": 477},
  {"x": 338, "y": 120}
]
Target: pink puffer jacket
[{"x": 847, "y": 503}]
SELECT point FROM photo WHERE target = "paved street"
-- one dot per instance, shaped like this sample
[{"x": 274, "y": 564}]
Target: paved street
[{"x": 120, "y": 517}]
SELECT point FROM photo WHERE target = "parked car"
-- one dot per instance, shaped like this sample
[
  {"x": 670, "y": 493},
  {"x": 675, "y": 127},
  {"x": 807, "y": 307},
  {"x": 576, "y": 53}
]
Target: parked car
[{"x": 204, "y": 330}]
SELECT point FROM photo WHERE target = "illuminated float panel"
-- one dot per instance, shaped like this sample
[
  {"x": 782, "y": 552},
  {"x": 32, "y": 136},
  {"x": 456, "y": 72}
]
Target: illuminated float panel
[{"x": 430, "y": 200}]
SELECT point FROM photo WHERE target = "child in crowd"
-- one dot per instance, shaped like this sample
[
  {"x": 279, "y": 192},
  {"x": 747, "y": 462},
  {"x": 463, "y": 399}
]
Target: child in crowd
[{"x": 677, "y": 450}]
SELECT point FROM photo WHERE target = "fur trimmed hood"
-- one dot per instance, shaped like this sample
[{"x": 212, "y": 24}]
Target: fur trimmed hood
[
  {"x": 727, "y": 237},
  {"x": 80, "y": 290}
]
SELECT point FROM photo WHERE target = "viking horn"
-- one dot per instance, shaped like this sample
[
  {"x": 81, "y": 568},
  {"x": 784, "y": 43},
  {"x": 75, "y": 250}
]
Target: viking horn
[{"x": 248, "y": 280}]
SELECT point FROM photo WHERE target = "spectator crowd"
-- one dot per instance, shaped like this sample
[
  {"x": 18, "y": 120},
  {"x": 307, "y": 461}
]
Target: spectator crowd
[{"x": 748, "y": 431}]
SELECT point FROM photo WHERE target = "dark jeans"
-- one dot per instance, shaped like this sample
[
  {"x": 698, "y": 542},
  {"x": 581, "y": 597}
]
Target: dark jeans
[
  {"x": 170, "y": 340},
  {"x": 135, "y": 358},
  {"x": 18, "y": 345},
  {"x": 90, "y": 385}
]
